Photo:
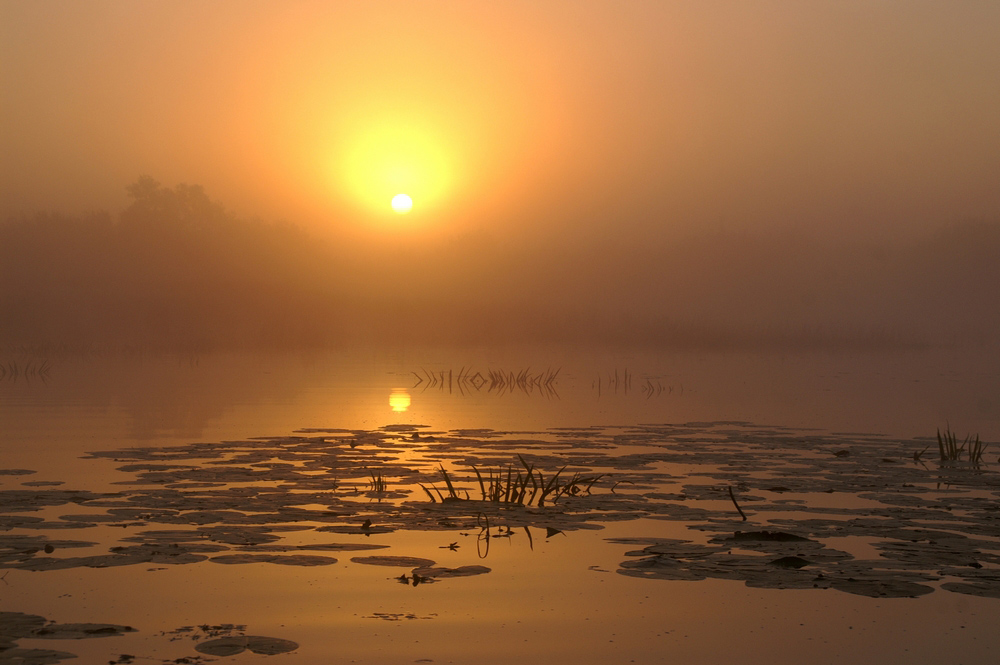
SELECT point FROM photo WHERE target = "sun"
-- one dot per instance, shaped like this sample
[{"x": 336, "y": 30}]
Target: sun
[{"x": 402, "y": 203}]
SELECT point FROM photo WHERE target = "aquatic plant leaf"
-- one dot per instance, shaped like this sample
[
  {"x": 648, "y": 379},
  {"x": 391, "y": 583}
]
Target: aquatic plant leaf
[
  {"x": 284, "y": 560},
  {"x": 269, "y": 646},
  {"x": 402, "y": 561},
  {"x": 321, "y": 547},
  {"x": 18, "y": 624},
  {"x": 355, "y": 530},
  {"x": 883, "y": 588},
  {"x": 240, "y": 536},
  {"x": 230, "y": 646},
  {"x": 34, "y": 656},
  {"x": 795, "y": 562},
  {"x": 778, "y": 536},
  {"x": 223, "y": 646},
  {"x": 441, "y": 572},
  {"x": 978, "y": 588},
  {"x": 660, "y": 569},
  {"x": 79, "y": 631}
]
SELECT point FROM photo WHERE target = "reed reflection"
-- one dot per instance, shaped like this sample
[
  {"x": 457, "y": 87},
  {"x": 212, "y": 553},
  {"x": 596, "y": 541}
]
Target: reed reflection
[{"x": 498, "y": 382}]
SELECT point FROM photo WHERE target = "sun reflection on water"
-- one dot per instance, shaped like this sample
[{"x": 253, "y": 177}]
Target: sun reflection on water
[{"x": 399, "y": 400}]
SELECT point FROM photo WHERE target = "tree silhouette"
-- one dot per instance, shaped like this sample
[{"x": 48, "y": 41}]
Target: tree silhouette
[{"x": 183, "y": 208}]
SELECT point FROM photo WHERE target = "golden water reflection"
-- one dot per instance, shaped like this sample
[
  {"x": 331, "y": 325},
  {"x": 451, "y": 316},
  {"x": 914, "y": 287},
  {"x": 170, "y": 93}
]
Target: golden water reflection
[{"x": 399, "y": 400}]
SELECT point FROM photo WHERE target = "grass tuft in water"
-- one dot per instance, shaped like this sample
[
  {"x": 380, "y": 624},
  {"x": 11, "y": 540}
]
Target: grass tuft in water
[
  {"x": 951, "y": 450},
  {"x": 513, "y": 486},
  {"x": 976, "y": 449}
]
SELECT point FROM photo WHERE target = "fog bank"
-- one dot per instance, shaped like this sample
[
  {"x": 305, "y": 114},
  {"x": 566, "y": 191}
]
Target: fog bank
[{"x": 176, "y": 270}]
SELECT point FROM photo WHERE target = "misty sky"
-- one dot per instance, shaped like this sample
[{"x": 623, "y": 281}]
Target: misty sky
[{"x": 559, "y": 117}]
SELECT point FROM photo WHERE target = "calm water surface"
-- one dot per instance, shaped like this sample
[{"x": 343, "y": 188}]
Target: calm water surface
[{"x": 556, "y": 598}]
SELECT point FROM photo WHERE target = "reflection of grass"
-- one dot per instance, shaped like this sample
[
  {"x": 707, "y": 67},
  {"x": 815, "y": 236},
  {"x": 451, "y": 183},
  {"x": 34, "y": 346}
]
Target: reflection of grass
[
  {"x": 512, "y": 486},
  {"x": 32, "y": 369},
  {"x": 951, "y": 450}
]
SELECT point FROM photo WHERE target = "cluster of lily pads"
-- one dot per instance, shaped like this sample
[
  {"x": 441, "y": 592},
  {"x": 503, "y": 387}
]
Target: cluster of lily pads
[{"x": 934, "y": 525}]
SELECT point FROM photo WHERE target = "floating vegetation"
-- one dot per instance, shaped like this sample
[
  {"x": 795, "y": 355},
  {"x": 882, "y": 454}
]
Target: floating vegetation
[
  {"x": 440, "y": 572},
  {"x": 15, "y": 626},
  {"x": 801, "y": 563},
  {"x": 493, "y": 381},
  {"x": 284, "y": 560},
  {"x": 274, "y": 500},
  {"x": 230, "y": 646},
  {"x": 398, "y": 616},
  {"x": 78, "y": 631},
  {"x": 428, "y": 573},
  {"x": 400, "y": 561}
]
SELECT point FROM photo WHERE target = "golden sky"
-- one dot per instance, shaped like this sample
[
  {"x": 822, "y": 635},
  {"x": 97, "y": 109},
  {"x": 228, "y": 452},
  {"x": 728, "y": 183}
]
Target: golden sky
[{"x": 553, "y": 116}]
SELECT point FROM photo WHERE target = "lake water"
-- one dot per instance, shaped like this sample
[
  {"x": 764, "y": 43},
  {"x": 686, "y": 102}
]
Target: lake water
[{"x": 208, "y": 497}]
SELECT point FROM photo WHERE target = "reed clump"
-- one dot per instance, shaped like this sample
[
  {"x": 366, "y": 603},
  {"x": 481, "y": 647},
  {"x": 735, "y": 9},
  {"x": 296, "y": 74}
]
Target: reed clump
[
  {"x": 950, "y": 449},
  {"x": 516, "y": 486}
]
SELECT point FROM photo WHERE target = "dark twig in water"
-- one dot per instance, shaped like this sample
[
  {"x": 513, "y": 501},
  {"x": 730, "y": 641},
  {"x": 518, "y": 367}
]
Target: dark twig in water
[{"x": 733, "y": 497}]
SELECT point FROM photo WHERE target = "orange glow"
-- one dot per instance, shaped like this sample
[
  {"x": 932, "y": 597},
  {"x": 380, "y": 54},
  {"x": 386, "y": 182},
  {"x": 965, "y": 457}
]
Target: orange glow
[{"x": 551, "y": 117}]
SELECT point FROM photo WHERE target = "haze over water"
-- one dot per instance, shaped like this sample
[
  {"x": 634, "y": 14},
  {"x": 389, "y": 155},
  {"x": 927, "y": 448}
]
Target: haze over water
[{"x": 701, "y": 174}]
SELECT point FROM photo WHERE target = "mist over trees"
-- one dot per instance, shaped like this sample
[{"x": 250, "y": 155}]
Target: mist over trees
[{"x": 176, "y": 270}]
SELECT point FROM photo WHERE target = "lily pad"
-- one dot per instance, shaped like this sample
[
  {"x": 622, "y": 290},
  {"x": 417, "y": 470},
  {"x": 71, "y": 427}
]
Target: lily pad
[
  {"x": 80, "y": 631},
  {"x": 442, "y": 572},
  {"x": 401, "y": 561},
  {"x": 885, "y": 588},
  {"x": 230, "y": 646},
  {"x": 284, "y": 560},
  {"x": 795, "y": 562},
  {"x": 18, "y": 624},
  {"x": 978, "y": 588},
  {"x": 767, "y": 536},
  {"x": 34, "y": 656}
]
